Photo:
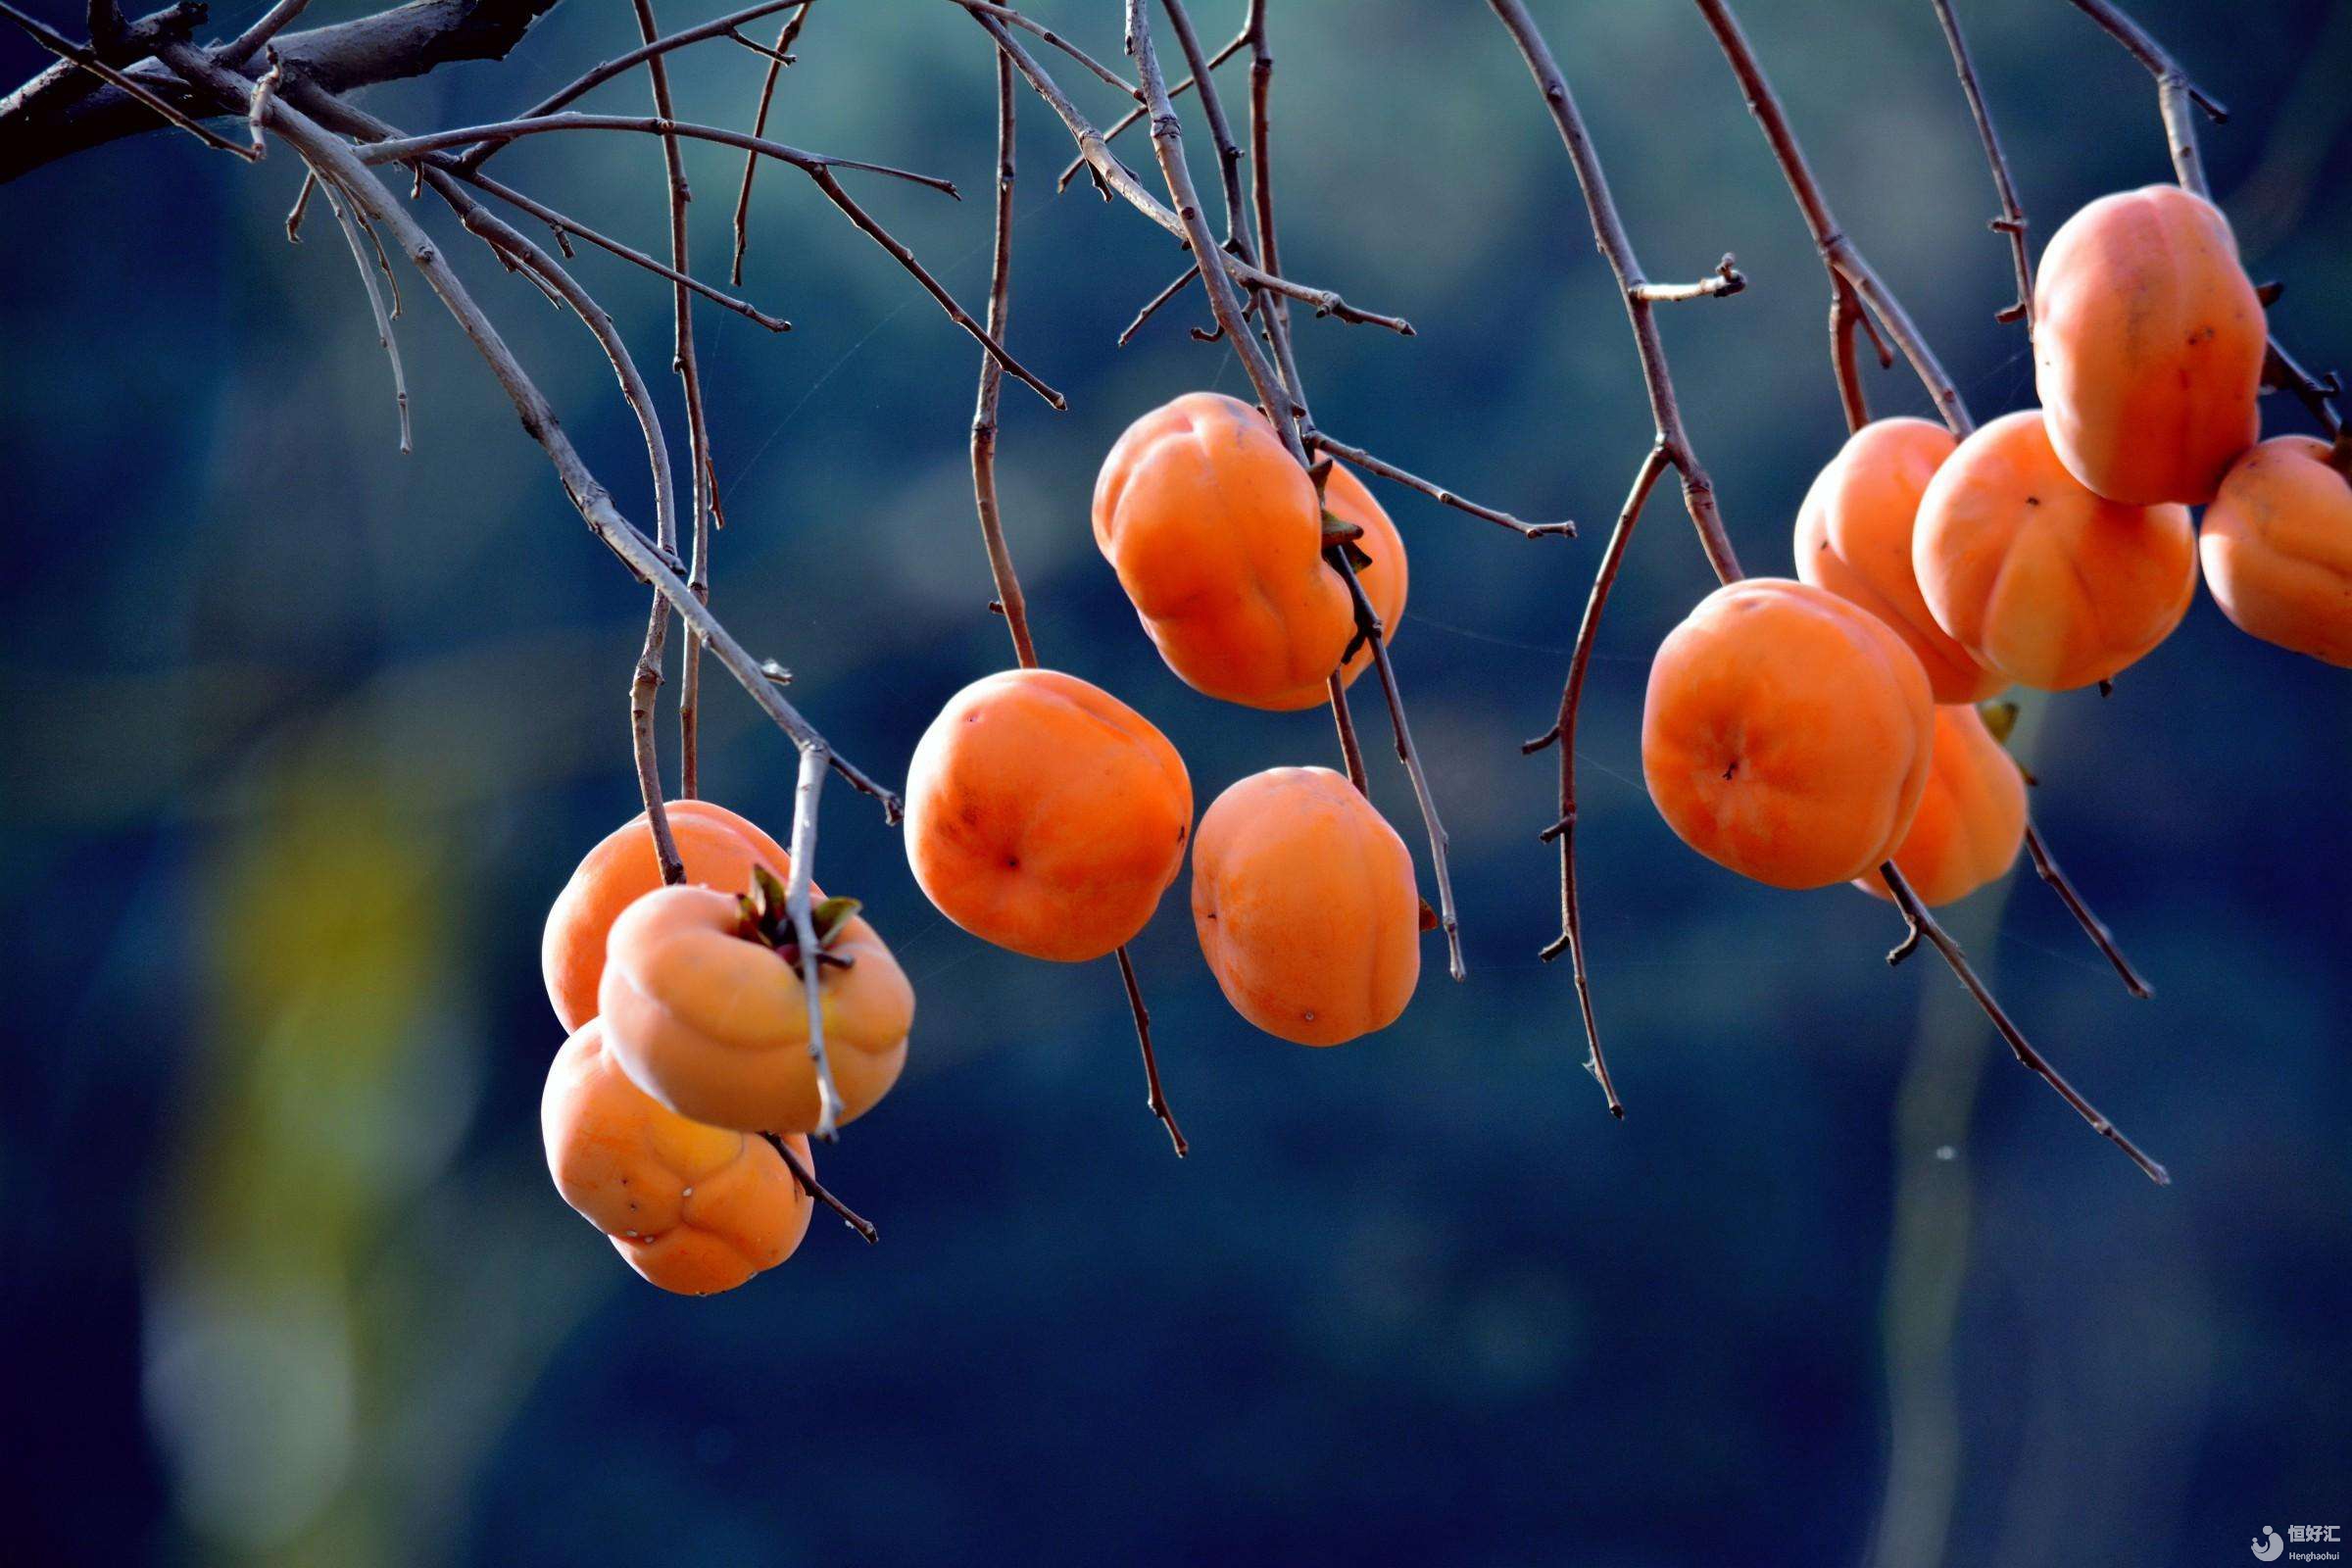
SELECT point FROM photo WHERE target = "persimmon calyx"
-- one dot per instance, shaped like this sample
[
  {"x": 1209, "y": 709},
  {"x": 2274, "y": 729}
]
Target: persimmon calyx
[{"x": 767, "y": 920}]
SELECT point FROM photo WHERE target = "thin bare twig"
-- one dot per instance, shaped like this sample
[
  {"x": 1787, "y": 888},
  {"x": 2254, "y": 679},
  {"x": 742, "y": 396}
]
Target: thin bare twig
[
  {"x": 402, "y": 149},
  {"x": 1922, "y": 923},
  {"x": 2092, "y": 926},
  {"x": 1152, "y": 1096},
  {"x": 1009, "y": 600},
  {"x": 1116, "y": 177},
  {"x": 1838, "y": 252},
  {"x": 2012, "y": 222},
  {"x": 375, "y": 303},
  {"x": 817, "y": 1190},
  {"x": 1571, "y": 939},
  {"x": 1055, "y": 40},
  {"x": 587, "y": 82},
  {"x": 702, "y": 470},
  {"x": 1183, "y": 279},
  {"x": 1315, "y": 438},
  {"x": 1134, "y": 116},
  {"x": 2176, "y": 94},
  {"x": 751, "y": 160}
]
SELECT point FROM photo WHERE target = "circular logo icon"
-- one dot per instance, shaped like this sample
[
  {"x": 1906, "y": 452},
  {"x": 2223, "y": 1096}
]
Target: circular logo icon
[{"x": 2267, "y": 1550}]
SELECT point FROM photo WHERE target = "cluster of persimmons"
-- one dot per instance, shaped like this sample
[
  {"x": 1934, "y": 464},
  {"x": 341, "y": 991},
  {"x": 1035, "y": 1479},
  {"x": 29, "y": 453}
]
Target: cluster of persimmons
[
  {"x": 1802, "y": 732},
  {"x": 1807, "y": 732},
  {"x": 1043, "y": 815}
]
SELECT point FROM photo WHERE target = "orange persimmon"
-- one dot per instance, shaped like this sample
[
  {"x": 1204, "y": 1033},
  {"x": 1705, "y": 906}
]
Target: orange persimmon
[
  {"x": 1853, "y": 537},
  {"x": 2038, "y": 577},
  {"x": 2278, "y": 548},
  {"x": 2148, "y": 343},
  {"x": 1972, "y": 816},
  {"x": 1304, "y": 901},
  {"x": 695, "y": 1209},
  {"x": 718, "y": 849},
  {"x": 1046, "y": 816},
  {"x": 704, "y": 1008},
  {"x": 1214, "y": 532},
  {"x": 1787, "y": 733}
]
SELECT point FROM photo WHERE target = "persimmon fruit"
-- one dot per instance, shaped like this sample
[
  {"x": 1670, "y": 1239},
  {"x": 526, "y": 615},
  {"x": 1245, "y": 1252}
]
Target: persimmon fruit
[
  {"x": 1970, "y": 820},
  {"x": 1787, "y": 733},
  {"x": 718, "y": 849},
  {"x": 693, "y": 1208},
  {"x": 2037, "y": 576},
  {"x": 1046, "y": 816},
  {"x": 1216, "y": 536},
  {"x": 2148, "y": 343},
  {"x": 1853, "y": 537},
  {"x": 704, "y": 1008},
  {"x": 1304, "y": 901},
  {"x": 2278, "y": 548}
]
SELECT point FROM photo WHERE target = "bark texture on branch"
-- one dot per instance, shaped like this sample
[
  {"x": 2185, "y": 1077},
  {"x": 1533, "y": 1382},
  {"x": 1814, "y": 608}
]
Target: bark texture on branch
[{"x": 56, "y": 113}]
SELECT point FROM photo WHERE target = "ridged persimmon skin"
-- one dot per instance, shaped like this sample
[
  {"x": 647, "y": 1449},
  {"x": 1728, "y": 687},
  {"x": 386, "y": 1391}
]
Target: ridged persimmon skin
[
  {"x": 1970, "y": 820},
  {"x": 1212, "y": 527},
  {"x": 1046, "y": 816},
  {"x": 718, "y": 848},
  {"x": 2038, "y": 577},
  {"x": 2278, "y": 549},
  {"x": 1787, "y": 733},
  {"x": 716, "y": 1025},
  {"x": 2148, "y": 344},
  {"x": 1853, "y": 537},
  {"x": 1304, "y": 901},
  {"x": 694, "y": 1209}
]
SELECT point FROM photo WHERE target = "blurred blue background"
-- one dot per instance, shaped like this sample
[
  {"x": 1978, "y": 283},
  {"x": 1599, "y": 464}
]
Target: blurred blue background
[{"x": 305, "y": 734}]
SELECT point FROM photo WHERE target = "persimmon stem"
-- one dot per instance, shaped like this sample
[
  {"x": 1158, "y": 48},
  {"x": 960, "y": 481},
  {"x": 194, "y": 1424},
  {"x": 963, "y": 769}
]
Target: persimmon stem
[
  {"x": 1350, "y": 751},
  {"x": 818, "y": 1191}
]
